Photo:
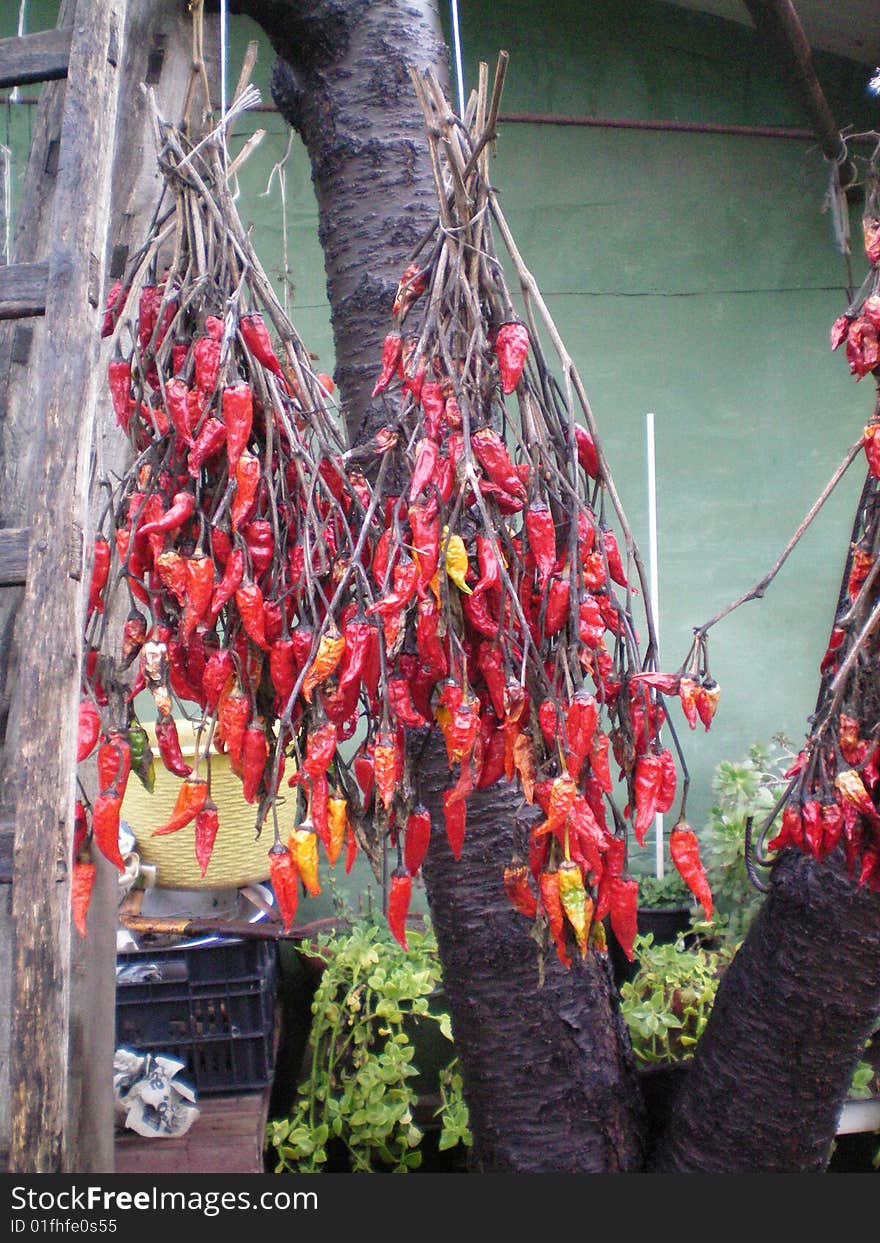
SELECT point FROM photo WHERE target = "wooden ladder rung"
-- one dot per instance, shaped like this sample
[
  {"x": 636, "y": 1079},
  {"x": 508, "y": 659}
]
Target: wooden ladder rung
[
  {"x": 13, "y": 560},
  {"x": 39, "y": 57},
  {"x": 23, "y": 289}
]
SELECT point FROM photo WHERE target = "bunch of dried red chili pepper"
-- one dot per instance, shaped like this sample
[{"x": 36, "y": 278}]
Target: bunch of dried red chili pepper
[
  {"x": 503, "y": 594},
  {"x": 229, "y": 581}
]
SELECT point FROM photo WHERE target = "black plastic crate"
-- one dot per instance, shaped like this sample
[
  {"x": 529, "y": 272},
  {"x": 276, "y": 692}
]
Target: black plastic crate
[{"x": 211, "y": 1006}]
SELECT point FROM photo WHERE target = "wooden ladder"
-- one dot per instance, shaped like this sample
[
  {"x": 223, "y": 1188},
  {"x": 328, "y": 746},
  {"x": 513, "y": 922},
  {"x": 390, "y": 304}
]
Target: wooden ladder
[{"x": 44, "y": 559}]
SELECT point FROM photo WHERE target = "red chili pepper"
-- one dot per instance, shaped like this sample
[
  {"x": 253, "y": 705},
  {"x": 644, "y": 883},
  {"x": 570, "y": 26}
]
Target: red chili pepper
[
  {"x": 206, "y": 355},
  {"x": 599, "y": 763},
  {"x": 209, "y": 441},
  {"x": 233, "y": 576},
  {"x": 247, "y": 480},
  {"x": 433, "y": 404},
  {"x": 707, "y": 697},
  {"x": 411, "y": 285},
  {"x": 491, "y": 453},
  {"x": 183, "y": 506},
  {"x": 624, "y": 897},
  {"x": 551, "y": 904},
  {"x": 88, "y": 730},
  {"x": 406, "y": 579},
  {"x": 171, "y": 568},
  {"x": 478, "y": 612},
  {"x": 455, "y": 818},
  {"x": 581, "y": 719},
  {"x": 668, "y": 781},
  {"x": 238, "y": 416},
  {"x": 391, "y": 352},
  {"x": 285, "y": 883},
  {"x": 199, "y": 588},
  {"x": 105, "y": 825},
  {"x": 134, "y": 635},
  {"x": 232, "y": 719},
  {"x": 416, "y": 838},
  {"x": 612, "y": 552},
  {"x": 398, "y": 904},
  {"x": 249, "y": 602},
  {"x": 111, "y": 309},
  {"x": 119, "y": 383},
  {"x": 648, "y": 776},
  {"x": 511, "y": 350},
  {"x": 425, "y": 526},
  {"x": 256, "y": 337},
  {"x": 254, "y": 754},
  {"x": 557, "y": 611},
  {"x": 206, "y": 826},
  {"x": 425, "y": 468},
  {"x": 218, "y": 672},
  {"x": 82, "y": 881},
  {"x": 168, "y": 742},
  {"x": 100, "y": 574},
  {"x": 191, "y": 798},
  {"x": 179, "y": 409},
  {"x": 401, "y": 704},
  {"x": 114, "y": 761},
  {"x": 586, "y": 451},
  {"x": 685, "y": 851},
  {"x": 260, "y": 542},
  {"x": 320, "y": 750},
  {"x": 487, "y": 561},
  {"x": 428, "y": 642},
  {"x": 519, "y": 891},
  {"x": 283, "y": 668}
]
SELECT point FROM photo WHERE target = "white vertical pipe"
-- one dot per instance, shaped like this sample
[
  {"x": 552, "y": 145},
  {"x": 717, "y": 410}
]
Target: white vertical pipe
[
  {"x": 224, "y": 53},
  {"x": 654, "y": 585},
  {"x": 456, "y": 43}
]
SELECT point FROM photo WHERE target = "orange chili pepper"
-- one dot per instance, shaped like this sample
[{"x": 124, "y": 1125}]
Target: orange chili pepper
[
  {"x": 191, "y": 798},
  {"x": 328, "y": 656}
]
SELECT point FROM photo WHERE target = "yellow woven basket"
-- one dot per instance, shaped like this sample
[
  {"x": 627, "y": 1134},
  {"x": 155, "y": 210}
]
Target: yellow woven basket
[{"x": 239, "y": 858}]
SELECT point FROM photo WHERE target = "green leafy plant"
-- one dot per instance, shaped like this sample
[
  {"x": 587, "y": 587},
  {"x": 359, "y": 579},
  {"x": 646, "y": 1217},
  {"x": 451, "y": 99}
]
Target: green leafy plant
[
  {"x": 374, "y": 1001},
  {"x": 666, "y": 891},
  {"x": 667, "y": 1003}
]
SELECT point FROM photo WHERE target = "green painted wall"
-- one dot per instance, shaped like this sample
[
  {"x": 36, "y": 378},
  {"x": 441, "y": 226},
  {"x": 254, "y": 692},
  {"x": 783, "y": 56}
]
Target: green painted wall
[{"x": 691, "y": 275}]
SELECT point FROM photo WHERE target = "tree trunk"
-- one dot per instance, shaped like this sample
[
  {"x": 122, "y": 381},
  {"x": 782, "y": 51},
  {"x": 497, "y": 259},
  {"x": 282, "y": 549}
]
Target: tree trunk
[
  {"x": 549, "y": 1074},
  {"x": 548, "y": 1069},
  {"x": 342, "y": 83},
  {"x": 772, "y": 1070}
]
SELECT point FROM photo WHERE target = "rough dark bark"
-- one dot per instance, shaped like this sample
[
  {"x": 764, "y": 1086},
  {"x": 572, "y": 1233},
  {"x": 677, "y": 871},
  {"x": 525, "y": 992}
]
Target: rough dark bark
[
  {"x": 342, "y": 83},
  {"x": 791, "y": 1015},
  {"x": 548, "y": 1071}
]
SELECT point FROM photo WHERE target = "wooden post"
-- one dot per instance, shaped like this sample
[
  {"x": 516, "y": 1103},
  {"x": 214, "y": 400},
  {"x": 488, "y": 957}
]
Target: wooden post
[{"x": 41, "y": 737}]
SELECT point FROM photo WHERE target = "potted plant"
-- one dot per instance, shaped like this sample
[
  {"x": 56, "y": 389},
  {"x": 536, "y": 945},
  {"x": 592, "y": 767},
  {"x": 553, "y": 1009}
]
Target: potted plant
[{"x": 379, "y": 1090}]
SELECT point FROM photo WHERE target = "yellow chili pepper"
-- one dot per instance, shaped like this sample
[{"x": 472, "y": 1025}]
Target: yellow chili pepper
[
  {"x": 304, "y": 848},
  {"x": 457, "y": 563},
  {"x": 577, "y": 905}
]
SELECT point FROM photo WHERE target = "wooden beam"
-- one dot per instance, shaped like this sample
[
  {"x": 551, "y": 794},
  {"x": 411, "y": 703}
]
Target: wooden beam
[
  {"x": 13, "y": 558},
  {"x": 39, "y": 57},
  {"x": 42, "y": 723},
  {"x": 780, "y": 27},
  {"x": 23, "y": 289}
]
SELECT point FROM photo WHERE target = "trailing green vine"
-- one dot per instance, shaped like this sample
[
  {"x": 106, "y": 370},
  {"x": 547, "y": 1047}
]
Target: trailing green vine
[{"x": 375, "y": 1004}]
